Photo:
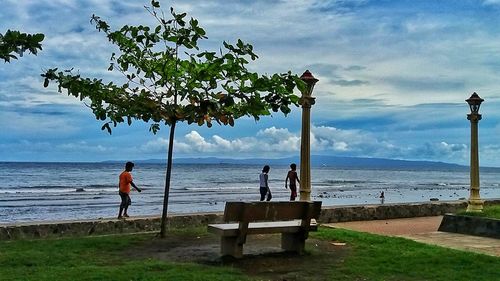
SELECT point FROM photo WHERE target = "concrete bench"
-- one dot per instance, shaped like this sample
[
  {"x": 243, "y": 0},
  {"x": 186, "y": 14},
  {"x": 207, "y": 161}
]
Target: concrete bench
[{"x": 291, "y": 219}]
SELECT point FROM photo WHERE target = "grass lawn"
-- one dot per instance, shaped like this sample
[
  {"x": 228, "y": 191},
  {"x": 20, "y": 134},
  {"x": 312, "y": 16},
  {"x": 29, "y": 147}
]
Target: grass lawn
[
  {"x": 492, "y": 211},
  {"x": 365, "y": 257},
  {"x": 96, "y": 258},
  {"x": 376, "y": 257}
]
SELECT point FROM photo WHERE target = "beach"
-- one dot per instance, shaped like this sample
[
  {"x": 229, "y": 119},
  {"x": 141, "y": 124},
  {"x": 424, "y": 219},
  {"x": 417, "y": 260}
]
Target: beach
[{"x": 70, "y": 191}]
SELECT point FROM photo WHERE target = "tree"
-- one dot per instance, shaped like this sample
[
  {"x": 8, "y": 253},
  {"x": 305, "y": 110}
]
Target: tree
[
  {"x": 170, "y": 80},
  {"x": 15, "y": 42}
]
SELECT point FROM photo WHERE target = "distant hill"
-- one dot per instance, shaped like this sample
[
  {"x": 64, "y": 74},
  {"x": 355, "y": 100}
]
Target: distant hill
[{"x": 322, "y": 161}]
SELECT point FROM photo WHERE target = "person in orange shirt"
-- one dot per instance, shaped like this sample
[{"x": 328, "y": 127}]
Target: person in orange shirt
[{"x": 125, "y": 182}]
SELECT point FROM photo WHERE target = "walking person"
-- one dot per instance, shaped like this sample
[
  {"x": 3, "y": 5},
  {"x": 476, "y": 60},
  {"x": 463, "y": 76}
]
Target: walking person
[
  {"x": 292, "y": 175},
  {"x": 264, "y": 186},
  {"x": 124, "y": 189}
]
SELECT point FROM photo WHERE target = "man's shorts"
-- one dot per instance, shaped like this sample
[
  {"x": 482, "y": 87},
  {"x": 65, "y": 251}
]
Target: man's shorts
[{"x": 125, "y": 199}]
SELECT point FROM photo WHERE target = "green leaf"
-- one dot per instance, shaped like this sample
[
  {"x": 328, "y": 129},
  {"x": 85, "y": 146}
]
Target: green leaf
[
  {"x": 106, "y": 127},
  {"x": 155, "y": 4},
  {"x": 38, "y": 37},
  {"x": 15, "y": 42},
  {"x": 239, "y": 44},
  {"x": 301, "y": 85}
]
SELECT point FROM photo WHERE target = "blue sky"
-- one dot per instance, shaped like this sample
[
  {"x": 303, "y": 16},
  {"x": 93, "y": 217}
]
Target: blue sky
[{"x": 393, "y": 77}]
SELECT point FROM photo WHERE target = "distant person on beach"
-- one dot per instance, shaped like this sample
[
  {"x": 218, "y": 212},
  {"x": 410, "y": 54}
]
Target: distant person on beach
[
  {"x": 264, "y": 186},
  {"x": 124, "y": 189},
  {"x": 292, "y": 175},
  {"x": 382, "y": 197}
]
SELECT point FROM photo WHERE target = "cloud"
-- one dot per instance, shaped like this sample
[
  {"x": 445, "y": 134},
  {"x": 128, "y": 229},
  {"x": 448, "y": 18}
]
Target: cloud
[
  {"x": 456, "y": 153},
  {"x": 426, "y": 84},
  {"x": 270, "y": 141},
  {"x": 393, "y": 75},
  {"x": 349, "y": 83},
  {"x": 355, "y": 68},
  {"x": 325, "y": 140},
  {"x": 83, "y": 147},
  {"x": 154, "y": 146},
  {"x": 199, "y": 142},
  {"x": 491, "y": 2},
  {"x": 32, "y": 124},
  {"x": 27, "y": 150}
]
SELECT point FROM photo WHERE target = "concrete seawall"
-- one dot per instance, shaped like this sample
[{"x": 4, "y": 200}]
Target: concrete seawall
[{"x": 33, "y": 230}]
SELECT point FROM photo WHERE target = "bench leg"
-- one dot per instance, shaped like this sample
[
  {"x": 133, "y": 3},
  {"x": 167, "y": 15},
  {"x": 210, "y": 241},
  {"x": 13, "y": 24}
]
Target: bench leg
[
  {"x": 293, "y": 242},
  {"x": 229, "y": 247}
]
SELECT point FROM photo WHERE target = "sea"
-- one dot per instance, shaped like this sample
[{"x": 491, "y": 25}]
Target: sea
[{"x": 32, "y": 192}]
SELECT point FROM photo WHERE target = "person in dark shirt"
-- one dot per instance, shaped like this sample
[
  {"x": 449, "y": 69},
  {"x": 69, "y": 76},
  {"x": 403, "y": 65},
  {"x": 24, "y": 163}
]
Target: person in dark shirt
[{"x": 292, "y": 176}]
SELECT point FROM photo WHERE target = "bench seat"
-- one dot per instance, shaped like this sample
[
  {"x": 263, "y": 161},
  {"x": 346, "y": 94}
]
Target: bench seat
[{"x": 232, "y": 229}]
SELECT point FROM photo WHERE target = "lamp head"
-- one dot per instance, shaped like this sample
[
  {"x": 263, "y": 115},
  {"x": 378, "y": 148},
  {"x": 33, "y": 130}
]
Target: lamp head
[
  {"x": 310, "y": 81},
  {"x": 474, "y": 103}
]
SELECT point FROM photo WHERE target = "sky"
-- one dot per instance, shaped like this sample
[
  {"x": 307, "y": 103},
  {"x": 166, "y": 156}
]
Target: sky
[{"x": 393, "y": 79}]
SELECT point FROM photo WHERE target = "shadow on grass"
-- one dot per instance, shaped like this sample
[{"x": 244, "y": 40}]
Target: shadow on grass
[{"x": 263, "y": 258}]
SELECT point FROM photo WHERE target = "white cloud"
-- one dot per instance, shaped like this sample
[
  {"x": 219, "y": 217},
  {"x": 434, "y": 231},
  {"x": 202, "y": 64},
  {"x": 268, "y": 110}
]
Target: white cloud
[
  {"x": 199, "y": 143},
  {"x": 154, "y": 146},
  {"x": 271, "y": 141},
  {"x": 491, "y": 2},
  {"x": 354, "y": 141},
  {"x": 280, "y": 142},
  {"x": 83, "y": 147}
]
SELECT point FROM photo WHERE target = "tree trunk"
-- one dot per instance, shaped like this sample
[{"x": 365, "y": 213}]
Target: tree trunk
[{"x": 163, "y": 228}]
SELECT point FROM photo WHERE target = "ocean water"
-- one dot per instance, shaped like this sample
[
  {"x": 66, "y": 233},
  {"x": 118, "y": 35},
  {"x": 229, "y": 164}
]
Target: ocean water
[{"x": 67, "y": 191}]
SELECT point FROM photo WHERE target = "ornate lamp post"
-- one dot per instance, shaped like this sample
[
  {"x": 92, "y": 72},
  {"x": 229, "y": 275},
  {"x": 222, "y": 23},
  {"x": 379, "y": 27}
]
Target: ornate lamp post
[
  {"x": 475, "y": 204},
  {"x": 305, "y": 143}
]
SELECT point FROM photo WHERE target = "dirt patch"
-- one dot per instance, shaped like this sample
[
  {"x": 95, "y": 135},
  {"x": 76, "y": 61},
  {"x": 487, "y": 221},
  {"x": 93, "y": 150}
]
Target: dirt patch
[{"x": 263, "y": 257}]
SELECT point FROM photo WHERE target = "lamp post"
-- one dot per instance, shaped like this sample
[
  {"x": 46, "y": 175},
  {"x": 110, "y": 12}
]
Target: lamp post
[
  {"x": 305, "y": 143},
  {"x": 475, "y": 204}
]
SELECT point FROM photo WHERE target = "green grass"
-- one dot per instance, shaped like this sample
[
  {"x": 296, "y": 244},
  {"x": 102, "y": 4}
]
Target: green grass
[
  {"x": 492, "y": 211},
  {"x": 368, "y": 257},
  {"x": 376, "y": 257},
  {"x": 96, "y": 258}
]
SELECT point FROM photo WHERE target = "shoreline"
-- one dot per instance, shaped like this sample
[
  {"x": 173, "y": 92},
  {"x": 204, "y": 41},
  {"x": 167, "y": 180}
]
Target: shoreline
[
  {"x": 325, "y": 201},
  {"x": 34, "y": 230},
  {"x": 326, "y": 204}
]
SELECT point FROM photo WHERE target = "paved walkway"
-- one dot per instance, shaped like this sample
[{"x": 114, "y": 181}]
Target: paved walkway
[{"x": 424, "y": 229}]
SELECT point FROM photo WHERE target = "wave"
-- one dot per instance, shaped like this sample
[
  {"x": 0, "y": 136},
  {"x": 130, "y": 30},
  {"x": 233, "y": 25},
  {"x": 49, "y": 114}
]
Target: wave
[
  {"x": 443, "y": 184},
  {"x": 219, "y": 188},
  {"x": 230, "y": 181},
  {"x": 100, "y": 186},
  {"x": 58, "y": 191},
  {"x": 349, "y": 181}
]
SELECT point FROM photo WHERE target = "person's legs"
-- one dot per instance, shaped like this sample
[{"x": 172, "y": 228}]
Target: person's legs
[
  {"x": 269, "y": 196},
  {"x": 128, "y": 202},
  {"x": 120, "y": 212},
  {"x": 263, "y": 192},
  {"x": 293, "y": 194},
  {"x": 124, "y": 204}
]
